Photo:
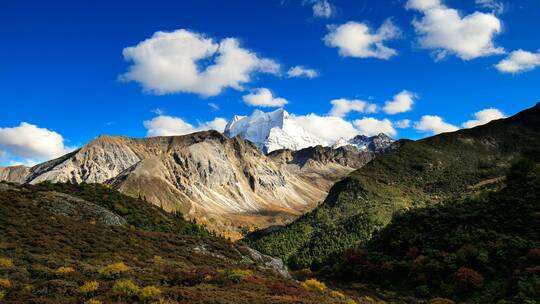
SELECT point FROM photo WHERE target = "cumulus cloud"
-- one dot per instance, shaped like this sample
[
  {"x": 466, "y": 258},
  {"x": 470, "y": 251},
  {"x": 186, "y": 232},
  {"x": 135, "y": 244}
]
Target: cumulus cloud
[
  {"x": 189, "y": 62},
  {"x": 401, "y": 103},
  {"x": 165, "y": 125},
  {"x": 370, "y": 126},
  {"x": 301, "y": 71},
  {"x": 495, "y": 7},
  {"x": 434, "y": 124},
  {"x": 403, "y": 124},
  {"x": 328, "y": 128},
  {"x": 263, "y": 97},
  {"x": 341, "y": 107},
  {"x": 445, "y": 31},
  {"x": 354, "y": 39},
  {"x": 518, "y": 62},
  {"x": 322, "y": 9},
  {"x": 483, "y": 117},
  {"x": 31, "y": 143}
]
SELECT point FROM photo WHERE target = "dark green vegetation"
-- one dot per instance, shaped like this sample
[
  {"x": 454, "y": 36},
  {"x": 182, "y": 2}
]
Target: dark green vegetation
[
  {"x": 46, "y": 257},
  {"x": 137, "y": 212},
  {"x": 421, "y": 173},
  {"x": 484, "y": 248}
]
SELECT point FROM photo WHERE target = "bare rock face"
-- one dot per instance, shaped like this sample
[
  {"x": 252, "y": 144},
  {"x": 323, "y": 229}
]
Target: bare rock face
[
  {"x": 224, "y": 183},
  {"x": 69, "y": 206},
  {"x": 14, "y": 174}
]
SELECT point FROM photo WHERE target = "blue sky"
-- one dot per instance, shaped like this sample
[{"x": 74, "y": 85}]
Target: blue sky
[{"x": 61, "y": 65}]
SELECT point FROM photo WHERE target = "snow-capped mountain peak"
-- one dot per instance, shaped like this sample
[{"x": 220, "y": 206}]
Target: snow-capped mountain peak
[
  {"x": 278, "y": 130},
  {"x": 271, "y": 131}
]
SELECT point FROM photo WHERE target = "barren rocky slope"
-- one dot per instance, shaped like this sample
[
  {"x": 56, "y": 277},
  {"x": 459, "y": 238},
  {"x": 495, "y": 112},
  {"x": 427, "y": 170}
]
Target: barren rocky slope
[{"x": 224, "y": 183}]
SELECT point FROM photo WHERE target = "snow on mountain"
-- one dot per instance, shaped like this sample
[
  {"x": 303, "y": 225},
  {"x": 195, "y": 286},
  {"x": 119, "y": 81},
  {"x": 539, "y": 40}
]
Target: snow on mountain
[
  {"x": 363, "y": 143},
  {"x": 272, "y": 131},
  {"x": 278, "y": 130}
]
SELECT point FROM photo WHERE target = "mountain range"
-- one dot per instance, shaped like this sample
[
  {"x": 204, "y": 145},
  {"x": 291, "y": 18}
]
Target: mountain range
[
  {"x": 225, "y": 183},
  {"x": 453, "y": 216}
]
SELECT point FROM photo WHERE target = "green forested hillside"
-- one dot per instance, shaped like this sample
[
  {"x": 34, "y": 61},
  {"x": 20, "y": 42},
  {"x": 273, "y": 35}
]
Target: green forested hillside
[
  {"x": 421, "y": 173},
  {"x": 483, "y": 249}
]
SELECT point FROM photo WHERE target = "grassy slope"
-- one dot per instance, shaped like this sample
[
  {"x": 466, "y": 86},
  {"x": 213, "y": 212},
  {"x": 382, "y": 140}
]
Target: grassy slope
[
  {"x": 493, "y": 235},
  {"x": 419, "y": 174},
  {"x": 177, "y": 257}
]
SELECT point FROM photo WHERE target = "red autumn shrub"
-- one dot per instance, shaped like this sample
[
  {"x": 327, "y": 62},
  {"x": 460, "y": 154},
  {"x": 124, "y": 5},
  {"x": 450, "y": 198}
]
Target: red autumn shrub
[
  {"x": 466, "y": 279},
  {"x": 285, "y": 289}
]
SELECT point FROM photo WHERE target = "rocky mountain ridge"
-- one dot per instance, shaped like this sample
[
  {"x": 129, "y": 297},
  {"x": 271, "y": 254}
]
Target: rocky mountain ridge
[{"x": 224, "y": 183}]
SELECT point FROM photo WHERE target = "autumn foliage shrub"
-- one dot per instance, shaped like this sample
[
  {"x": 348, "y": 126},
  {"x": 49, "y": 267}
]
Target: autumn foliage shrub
[
  {"x": 113, "y": 270},
  {"x": 467, "y": 279},
  {"x": 64, "y": 270},
  {"x": 237, "y": 275},
  {"x": 285, "y": 289},
  {"x": 89, "y": 287},
  {"x": 149, "y": 292},
  {"x": 125, "y": 288},
  {"x": 314, "y": 285},
  {"x": 6, "y": 263},
  {"x": 5, "y": 283}
]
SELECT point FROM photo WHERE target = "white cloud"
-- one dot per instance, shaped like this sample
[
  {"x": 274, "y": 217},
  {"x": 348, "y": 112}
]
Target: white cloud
[
  {"x": 354, "y": 39},
  {"x": 434, "y": 124},
  {"x": 341, "y": 107},
  {"x": 328, "y": 128},
  {"x": 445, "y": 31},
  {"x": 31, "y": 143},
  {"x": 171, "y": 62},
  {"x": 519, "y": 61},
  {"x": 170, "y": 126},
  {"x": 401, "y": 103},
  {"x": 483, "y": 117},
  {"x": 322, "y": 9},
  {"x": 262, "y": 97},
  {"x": 370, "y": 126},
  {"x": 403, "y": 124},
  {"x": 301, "y": 71},
  {"x": 495, "y": 7}
]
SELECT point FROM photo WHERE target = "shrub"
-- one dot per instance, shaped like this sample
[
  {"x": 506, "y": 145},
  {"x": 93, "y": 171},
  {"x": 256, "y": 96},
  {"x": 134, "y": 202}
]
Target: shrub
[
  {"x": 350, "y": 301},
  {"x": 337, "y": 295},
  {"x": 89, "y": 287},
  {"x": 125, "y": 288},
  {"x": 238, "y": 275},
  {"x": 2, "y": 294},
  {"x": 534, "y": 255},
  {"x": 422, "y": 291},
  {"x": 150, "y": 292},
  {"x": 113, "y": 270},
  {"x": 93, "y": 301},
  {"x": 6, "y": 263},
  {"x": 65, "y": 270},
  {"x": 157, "y": 259},
  {"x": 313, "y": 284},
  {"x": 467, "y": 278},
  {"x": 284, "y": 289},
  {"x": 5, "y": 283}
]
